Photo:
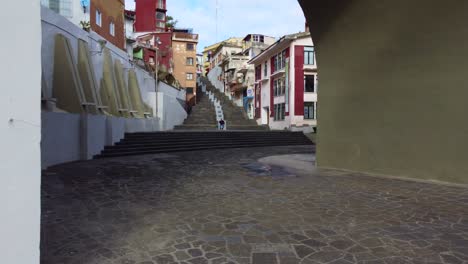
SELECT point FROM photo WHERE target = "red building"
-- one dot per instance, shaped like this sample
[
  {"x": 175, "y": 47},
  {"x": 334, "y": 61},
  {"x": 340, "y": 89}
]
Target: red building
[
  {"x": 107, "y": 20},
  {"x": 150, "y": 16}
]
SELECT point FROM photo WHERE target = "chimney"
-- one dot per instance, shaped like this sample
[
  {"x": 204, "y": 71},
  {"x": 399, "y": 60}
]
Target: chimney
[{"x": 307, "y": 29}]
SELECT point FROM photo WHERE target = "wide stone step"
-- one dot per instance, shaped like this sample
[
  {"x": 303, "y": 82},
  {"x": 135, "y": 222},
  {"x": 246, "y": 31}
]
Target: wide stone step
[
  {"x": 202, "y": 143},
  {"x": 208, "y": 137},
  {"x": 191, "y": 148},
  {"x": 188, "y": 140}
]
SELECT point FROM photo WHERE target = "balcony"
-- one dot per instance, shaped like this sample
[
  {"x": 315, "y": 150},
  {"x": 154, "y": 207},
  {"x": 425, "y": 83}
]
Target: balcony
[{"x": 182, "y": 36}]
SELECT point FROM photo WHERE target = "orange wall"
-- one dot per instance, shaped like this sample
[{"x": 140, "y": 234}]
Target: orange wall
[
  {"x": 180, "y": 63},
  {"x": 112, "y": 11}
]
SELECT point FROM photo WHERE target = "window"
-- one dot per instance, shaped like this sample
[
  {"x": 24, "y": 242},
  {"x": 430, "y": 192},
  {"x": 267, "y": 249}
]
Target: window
[
  {"x": 112, "y": 28},
  {"x": 265, "y": 69},
  {"x": 258, "y": 73},
  {"x": 62, "y": 7},
  {"x": 160, "y": 16},
  {"x": 190, "y": 61},
  {"x": 258, "y": 38},
  {"x": 309, "y": 56},
  {"x": 190, "y": 46},
  {"x": 280, "y": 61},
  {"x": 98, "y": 18},
  {"x": 309, "y": 83},
  {"x": 160, "y": 24},
  {"x": 279, "y": 87},
  {"x": 189, "y": 76},
  {"x": 280, "y": 112},
  {"x": 189, "y": 90},
  {"x": 161, "y": 4},
  {"x": 309, "y": 110}
]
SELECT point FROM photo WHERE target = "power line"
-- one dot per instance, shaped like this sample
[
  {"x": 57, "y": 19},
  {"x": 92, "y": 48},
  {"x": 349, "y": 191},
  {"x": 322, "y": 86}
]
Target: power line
[{"x": 217, "y": 7}]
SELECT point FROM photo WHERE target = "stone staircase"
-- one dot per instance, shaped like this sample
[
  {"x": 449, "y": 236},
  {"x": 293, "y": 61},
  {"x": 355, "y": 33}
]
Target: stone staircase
[
  {"x": 175, "y": 141},
  {"x": 202, "y": 117},
  {"x": 199, "y": 132},
  {"x": 235, "y": 116}
]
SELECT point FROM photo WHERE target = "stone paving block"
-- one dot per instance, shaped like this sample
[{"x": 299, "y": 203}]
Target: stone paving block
[
  {"x": 264, "y": 258},
  {"x": 191, "y": 208}
]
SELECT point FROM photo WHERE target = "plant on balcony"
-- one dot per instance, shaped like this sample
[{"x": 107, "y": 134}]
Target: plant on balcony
[{"x": 85, "y": 25}]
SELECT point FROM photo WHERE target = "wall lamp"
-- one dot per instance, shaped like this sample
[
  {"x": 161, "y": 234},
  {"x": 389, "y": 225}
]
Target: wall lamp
[{"x": 102, "y": 44}]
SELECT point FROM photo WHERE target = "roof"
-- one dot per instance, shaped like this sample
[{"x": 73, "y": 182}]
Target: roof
[
  {"x": 130, "y": 14},
  {"x": 226, "y": 44},
  {"x": 282, "y": 41},
  {"x": 216, "y": 45},
  {"x": 249, "y": 35}
]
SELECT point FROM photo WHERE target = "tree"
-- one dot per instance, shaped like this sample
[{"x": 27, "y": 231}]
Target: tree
[{"x": 171, "y": 22}]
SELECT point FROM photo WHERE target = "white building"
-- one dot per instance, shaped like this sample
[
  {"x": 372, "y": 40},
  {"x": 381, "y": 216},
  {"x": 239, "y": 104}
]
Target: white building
[
  {"x": 130, "y": 35},
  {"x": 286, "y": 84},
  {"x": 76, "y": 11},
  {"x": 233, "y": 75}
]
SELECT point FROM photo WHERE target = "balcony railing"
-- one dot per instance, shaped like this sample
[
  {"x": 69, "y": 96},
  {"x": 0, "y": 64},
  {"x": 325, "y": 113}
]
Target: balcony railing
[{"x": 185, "y": 36}]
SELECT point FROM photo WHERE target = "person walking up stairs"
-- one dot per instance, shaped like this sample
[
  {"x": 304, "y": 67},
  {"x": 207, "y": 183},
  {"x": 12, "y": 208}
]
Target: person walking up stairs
[{"x": 234, "y": 116}]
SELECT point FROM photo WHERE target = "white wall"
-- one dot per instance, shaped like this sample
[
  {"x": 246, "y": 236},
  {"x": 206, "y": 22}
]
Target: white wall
[
  {"x": 172, "y": 91},
  {"x": 53, "y": 24},
  {"x": 20, "y": 127},
  {"x": 70, "y": 137},
  {"x": 213, "y": 77},
  {"x": 72, "y": 10}
]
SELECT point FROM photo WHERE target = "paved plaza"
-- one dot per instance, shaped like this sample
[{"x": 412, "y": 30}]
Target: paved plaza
[{"x": 239, "y": 206}]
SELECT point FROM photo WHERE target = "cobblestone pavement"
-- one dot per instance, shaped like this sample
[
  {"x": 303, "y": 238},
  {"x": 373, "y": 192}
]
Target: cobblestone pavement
[{"x": 226, "y": 207}]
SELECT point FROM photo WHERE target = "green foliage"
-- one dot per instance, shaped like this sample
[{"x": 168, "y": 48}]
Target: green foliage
[
  {"x": 171, "y": 22},
  {"x": 86, "y": 25}
]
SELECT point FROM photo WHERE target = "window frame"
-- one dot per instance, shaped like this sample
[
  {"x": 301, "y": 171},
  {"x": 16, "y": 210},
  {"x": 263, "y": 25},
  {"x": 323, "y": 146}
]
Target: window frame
[
  {"x": 187, "y": 76},
  {"x": 308, "y": 114},
  {"x": 279, "y": 87},
  {"x": 280, "y": 60},
  {"x": 188, "y": 59},
  {"x": 160, "y": 13},
  {"x": 190, "y": 45},
  {"x": 309, "y": 55},
  {"x": 313, "y": 82},
  {"x": 280, "y": 112},
  {"x": 98, "y": 18},
  {"x": 112, "y": 28}
]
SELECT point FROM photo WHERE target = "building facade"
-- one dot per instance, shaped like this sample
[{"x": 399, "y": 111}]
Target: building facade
[
  {"x": 230, "y": 61},
  {"x": 200, "y": 63},
  {"x": 150, "y": 15},
  {"x": 286, "y": 84},
  {"x": 184, "y": 47},
  {"x": 208, "y": 52},
  {"x": 77, "y": 11},
  {"x": 130, "y": 39},
  {"x": 107, "y": 19}
]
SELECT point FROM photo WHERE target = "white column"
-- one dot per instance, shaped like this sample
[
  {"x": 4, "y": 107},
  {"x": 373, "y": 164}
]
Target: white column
[{"x": 20, "y": 129}]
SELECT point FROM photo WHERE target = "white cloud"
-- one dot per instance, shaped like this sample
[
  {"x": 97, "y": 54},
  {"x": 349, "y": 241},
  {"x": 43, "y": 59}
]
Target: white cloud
[{"x": 236, "y": 18}]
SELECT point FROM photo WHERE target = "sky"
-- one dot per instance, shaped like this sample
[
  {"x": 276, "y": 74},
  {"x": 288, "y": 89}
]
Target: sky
[{"x": 236, "y": 18}]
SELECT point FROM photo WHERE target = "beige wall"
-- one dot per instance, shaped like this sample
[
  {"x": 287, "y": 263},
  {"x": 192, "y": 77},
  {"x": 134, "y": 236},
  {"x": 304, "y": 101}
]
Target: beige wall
[
  {"x": 393, "y": 86},
  {"x": 180, "y": 64}
]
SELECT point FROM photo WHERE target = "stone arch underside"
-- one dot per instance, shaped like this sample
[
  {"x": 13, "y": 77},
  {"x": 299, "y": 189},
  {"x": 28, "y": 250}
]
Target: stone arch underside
[{"x": 393, "y": 86}]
